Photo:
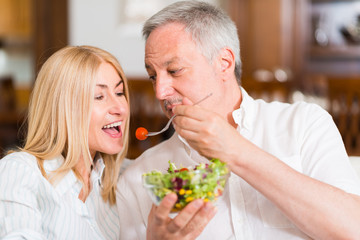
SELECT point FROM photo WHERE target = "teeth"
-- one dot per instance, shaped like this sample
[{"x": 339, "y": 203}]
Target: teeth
[{"x": 112, "y": 125}]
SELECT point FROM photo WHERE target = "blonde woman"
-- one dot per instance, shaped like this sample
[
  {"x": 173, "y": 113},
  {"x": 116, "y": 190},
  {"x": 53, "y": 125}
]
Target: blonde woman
[{"x": 61, "y": 184}]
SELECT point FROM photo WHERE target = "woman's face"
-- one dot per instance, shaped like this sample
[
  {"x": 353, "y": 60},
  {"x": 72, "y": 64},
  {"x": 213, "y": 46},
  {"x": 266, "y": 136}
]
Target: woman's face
[{"x": 109, "y": 113}]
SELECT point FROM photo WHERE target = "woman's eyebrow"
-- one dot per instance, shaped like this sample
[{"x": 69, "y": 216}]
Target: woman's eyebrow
[
  {"x": 119, "y": 83},
  {"x": 102, "y": 85},
  {"x": 106, "y": 86}
]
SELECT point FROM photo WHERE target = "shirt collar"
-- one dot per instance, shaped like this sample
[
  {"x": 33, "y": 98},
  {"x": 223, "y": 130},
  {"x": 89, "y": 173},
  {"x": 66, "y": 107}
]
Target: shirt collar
[
  {"x": 98, "y": 170},
  {"x": 245, "y": 115},
  {"x": 70, "y": 180},
  {"x": 187, "y": 147}
]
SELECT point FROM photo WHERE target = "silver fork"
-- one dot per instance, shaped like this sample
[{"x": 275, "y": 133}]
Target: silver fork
[{"x": 172, "y": 118}]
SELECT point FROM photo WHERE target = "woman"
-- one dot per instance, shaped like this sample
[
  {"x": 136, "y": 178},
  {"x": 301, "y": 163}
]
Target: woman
[{"x": 61, "y": 184}]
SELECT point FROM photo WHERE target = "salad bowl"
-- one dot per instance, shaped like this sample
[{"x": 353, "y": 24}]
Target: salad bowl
[{"x": 204, "y": 181}]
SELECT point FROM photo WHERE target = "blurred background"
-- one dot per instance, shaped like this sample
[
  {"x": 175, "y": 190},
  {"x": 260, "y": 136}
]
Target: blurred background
[{"x": 299, "y": 50}]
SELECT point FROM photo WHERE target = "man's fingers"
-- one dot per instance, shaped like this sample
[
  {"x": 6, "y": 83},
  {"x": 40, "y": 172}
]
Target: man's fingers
[
  {"x": 200, "y": 220},
  {"x": 162, "y": 211},
  {"x": 191, "y": 111},
  {"x": 185, "y": 216},
  {"x": 187, "y": 101}
]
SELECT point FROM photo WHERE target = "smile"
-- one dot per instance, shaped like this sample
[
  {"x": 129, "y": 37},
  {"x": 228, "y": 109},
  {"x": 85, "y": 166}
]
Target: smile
[
  {"x": 113, "y": 129},
  {"x": 111, "y": 125}
]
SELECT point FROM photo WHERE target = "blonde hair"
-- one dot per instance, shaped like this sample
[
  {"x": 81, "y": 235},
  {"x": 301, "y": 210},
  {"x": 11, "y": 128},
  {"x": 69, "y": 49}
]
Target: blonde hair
[{"x": 59, "y": 114}]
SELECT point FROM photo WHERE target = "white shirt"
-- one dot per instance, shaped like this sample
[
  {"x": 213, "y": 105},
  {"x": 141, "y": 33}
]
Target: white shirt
[
  {"x": 301, "y": 135},
  {"x": 32, "y": 208}
]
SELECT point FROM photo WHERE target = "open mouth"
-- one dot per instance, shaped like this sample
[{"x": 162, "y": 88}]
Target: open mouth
[{"x": 113, "y": 128}]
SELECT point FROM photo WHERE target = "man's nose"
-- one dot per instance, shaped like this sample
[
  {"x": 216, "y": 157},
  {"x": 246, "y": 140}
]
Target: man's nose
[{"x": 163, "y": 87}]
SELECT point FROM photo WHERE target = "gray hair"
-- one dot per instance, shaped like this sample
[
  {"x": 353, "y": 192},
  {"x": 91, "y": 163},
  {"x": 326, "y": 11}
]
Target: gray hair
[{"x": 210, "y": 27}]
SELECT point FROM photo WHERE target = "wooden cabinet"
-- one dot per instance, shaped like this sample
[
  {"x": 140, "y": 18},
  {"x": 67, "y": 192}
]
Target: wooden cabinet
[
  {"x": 15, "y": 18},
  {"x": 269, "y": 34},
  {"x": 282, "y": 34},
  {"x": 329, "y": 51},
  {"x": 43, "y": 26}
]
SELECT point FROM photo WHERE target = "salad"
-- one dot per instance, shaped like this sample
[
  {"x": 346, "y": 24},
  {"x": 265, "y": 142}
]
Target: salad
[{"x": 205, "y": 181}]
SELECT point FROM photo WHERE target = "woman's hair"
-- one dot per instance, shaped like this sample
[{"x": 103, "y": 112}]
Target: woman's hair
[
  {"x": 60, "y": 110},
  {"x": 210, "y": 27}
]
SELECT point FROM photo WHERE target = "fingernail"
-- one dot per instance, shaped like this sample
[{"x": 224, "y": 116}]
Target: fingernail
[
  {"x": 171, "y": 198},
  {"x": 208, "y": 206},
  {"x": 198, "y": 203}
]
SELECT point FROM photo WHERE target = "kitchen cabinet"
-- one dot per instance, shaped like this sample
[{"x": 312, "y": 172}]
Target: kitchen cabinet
[
  {"x": 302, "y": 37},
  {"x": 15, "y": 19}
]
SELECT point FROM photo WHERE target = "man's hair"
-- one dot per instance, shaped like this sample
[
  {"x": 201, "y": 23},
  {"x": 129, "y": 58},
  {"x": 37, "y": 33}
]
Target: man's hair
[{"x": 210, "y": 27}]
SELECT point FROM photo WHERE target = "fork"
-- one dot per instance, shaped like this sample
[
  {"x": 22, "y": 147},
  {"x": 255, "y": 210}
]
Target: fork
[{"x": 149, "y": 134}]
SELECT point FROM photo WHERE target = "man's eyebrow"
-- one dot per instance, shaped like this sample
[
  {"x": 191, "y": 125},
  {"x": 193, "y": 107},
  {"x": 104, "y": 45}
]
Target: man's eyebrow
[{"x": 167, "y": 63}]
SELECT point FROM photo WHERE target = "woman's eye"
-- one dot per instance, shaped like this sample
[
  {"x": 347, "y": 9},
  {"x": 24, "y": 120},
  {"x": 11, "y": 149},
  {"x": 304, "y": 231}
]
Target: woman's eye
[
  {"x": 120, "y": 94},
  {"x": 99, "y": 97}
]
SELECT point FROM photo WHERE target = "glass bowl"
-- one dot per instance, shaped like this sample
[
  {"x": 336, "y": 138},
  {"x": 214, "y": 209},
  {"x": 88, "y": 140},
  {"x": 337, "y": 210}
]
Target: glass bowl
[{"x": 204, "y": 181}]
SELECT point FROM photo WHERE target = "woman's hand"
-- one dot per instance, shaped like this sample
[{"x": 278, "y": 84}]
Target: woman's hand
[{"x": 188, "y": 224}]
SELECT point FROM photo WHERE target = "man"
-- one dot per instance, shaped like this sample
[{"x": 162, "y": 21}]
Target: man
[{"x": 290, "y": 175}]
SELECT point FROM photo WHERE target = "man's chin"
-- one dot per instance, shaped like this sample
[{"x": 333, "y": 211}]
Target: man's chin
[{"x": 169, "y": 115}]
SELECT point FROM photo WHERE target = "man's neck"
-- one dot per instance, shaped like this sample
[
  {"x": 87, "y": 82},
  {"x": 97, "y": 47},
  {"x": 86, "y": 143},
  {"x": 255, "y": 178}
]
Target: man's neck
[{"x": 235, "y": 101}]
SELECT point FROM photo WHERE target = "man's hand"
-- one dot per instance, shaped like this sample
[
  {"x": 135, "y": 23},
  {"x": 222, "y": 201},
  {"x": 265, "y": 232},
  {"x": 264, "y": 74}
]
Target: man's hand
[
  {"x": 207, "y": 132},
  {"x": 188, "y": 224}
]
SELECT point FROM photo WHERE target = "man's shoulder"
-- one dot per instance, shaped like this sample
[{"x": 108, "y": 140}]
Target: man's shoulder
[{"x": 299, "y": 107}]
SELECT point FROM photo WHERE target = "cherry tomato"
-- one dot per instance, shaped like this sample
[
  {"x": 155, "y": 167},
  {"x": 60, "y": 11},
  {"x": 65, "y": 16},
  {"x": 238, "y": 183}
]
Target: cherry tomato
[
  {"x": 141, "y": 133},
  {"x": 183, "y": 169}
]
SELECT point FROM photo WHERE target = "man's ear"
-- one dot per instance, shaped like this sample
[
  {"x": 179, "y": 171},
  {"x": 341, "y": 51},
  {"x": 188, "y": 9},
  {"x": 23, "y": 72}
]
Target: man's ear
[{"x": 227, "y": 60}]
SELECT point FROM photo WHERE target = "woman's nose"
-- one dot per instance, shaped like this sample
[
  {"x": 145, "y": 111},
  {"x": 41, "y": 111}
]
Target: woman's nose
[{"x": 117, "y": 106}]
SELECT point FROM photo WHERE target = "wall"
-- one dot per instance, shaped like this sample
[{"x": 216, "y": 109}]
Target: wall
[
  {"x": 103, "y": 24},
  {"x": 98, "y": 23}
]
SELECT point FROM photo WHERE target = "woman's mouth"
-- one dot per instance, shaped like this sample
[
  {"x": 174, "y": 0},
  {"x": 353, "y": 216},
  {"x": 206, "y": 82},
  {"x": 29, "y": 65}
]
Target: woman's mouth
[{"x": 113, "y": 129}]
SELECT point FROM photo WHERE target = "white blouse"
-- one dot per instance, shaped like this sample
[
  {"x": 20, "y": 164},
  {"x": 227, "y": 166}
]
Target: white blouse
[{"x": 32, "y": 208}]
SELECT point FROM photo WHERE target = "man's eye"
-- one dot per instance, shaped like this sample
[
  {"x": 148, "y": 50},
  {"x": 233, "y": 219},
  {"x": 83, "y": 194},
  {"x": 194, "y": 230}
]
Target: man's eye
[
  {"x": 152, "y": 78},
  {"x": 175, "y": 71}
]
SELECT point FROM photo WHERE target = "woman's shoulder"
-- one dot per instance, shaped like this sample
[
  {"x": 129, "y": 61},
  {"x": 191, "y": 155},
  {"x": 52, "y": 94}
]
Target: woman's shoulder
[
  {"x": 19, "y": 172},
  {"x": 19, "y": 159}
]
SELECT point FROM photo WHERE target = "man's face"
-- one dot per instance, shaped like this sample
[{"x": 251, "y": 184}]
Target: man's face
[{"x": 177, "y": 68}]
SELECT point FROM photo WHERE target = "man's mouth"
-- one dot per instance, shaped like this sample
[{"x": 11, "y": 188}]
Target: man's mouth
[
  {"x": 113, "y": 128},
  {"x": 169, "y": 104}
]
